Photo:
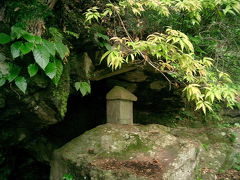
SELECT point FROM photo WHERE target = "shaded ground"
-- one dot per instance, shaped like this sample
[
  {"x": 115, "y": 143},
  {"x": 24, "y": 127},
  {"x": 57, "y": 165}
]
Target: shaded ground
[{"x": 230, "y": 174}]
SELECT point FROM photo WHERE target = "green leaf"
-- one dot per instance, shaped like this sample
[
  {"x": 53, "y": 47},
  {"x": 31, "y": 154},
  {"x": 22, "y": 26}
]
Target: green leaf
[
  {"x": 72, "y": 34},
  {"x": 210, "y": 95},
  {"x": 84, "y": 87},
  {"x": 57, "y": 36},
  {"x": 107, "y": 46},
  {"x": 38, "y": 40},
  {"x": 49, "y": 46},
  {"x": 32, "y": 70},
  {"x": 59, "y": 71},
  {"x": 189, "y": 44},
  {"x": 17, "y": 32},
  {"x": 15, "y": 49},
  {"x": 41, "y": 56},
  {"x": 105, "y": 37},
  {"x": 21, "y": 83},
  {"x": 181, "y": 44},
  {"x": 29, "y": 37},
  {"x": 14, "y": 71},
  {"x": 32, "y": 39},
  {"x": 218, "y": 94},
  {"x": 67, "y": 177},
  {"x": 51, "y": 70},
  {"x": 105, "y": 55},
  {"x": 77, "y": 85},
  {"x": 26, "y": 48},
  {"x": 62, "y": 49},
  {"x": 2, "y": 81},
  {"x": 4, "y": 38},
  {"x": 208, "y": 106}
]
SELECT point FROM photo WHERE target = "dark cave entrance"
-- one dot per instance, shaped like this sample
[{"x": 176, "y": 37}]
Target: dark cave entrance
[{"x": 85, "y": 113}]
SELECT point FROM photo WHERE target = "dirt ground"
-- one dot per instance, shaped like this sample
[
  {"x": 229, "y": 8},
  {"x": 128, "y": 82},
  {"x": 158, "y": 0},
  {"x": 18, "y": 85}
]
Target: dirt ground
[
  {"x": 150, "y": 169},
  {"x": 231, "y": 174}
]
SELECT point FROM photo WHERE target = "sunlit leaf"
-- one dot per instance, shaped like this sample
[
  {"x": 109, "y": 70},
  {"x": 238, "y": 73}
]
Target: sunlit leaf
[
  {"x": 84, "y": 87},
  {"x": 105, "y": 55}
]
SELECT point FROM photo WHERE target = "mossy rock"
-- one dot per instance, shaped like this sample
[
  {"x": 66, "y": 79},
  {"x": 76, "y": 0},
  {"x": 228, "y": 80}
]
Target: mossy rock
[
  {"x": 112, "y": 152},
  {"x": 135, "y": 152}
]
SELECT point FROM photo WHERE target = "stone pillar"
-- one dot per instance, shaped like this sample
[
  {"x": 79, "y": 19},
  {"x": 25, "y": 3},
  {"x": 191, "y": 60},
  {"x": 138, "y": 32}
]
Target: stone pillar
[{"x": 120, "y": 106}]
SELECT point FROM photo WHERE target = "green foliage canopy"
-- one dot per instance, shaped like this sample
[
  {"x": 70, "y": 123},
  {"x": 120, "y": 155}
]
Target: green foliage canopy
[
  {"x": 169, "y": 35},
  {"x": 168, "y": 51}
]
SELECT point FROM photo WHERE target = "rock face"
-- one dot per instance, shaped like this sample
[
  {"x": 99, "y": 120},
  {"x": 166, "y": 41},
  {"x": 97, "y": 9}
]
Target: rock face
[
  {"x": 158, "y": 85},
  {"x": 220, "y": 149},
  {"x": 135, "y": 152},
  {"x": 134, "y": 76}
]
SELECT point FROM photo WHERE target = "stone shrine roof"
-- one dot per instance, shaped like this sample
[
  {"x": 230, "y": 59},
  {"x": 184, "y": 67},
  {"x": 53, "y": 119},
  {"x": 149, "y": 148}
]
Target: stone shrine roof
[{"x": 120, "y": 93}]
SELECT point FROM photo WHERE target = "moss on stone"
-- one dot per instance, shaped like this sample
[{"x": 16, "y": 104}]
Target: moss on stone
[
  {"x": 135, "y": 146},
  {"x": 61, "y": 92}
]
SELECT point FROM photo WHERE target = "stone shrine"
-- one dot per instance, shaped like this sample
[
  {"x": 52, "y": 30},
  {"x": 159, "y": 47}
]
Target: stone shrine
[{"x": 120, "y": 106}]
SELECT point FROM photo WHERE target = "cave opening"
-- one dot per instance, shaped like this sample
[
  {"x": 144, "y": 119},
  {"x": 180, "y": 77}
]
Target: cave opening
[
  {"x": 154, "y": 105},
  {"x": 83, "y": 114}
]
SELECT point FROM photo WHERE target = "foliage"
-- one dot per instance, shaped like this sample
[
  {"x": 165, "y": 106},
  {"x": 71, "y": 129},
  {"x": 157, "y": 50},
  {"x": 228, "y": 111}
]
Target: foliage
[
  {"x": 237, "y": 162},
  {"x": 26, "y": 10},
  {"x": 46, "y": 55},
  {"x": 68, "y": 177},
  {"x": 83, "y": 87},
  {"x": 178, "y": 38},
  {"x": 171, "y": 52}
]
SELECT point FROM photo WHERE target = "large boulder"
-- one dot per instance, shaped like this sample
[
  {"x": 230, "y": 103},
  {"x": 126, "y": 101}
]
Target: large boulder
[{"x": 135, "y": 152}]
